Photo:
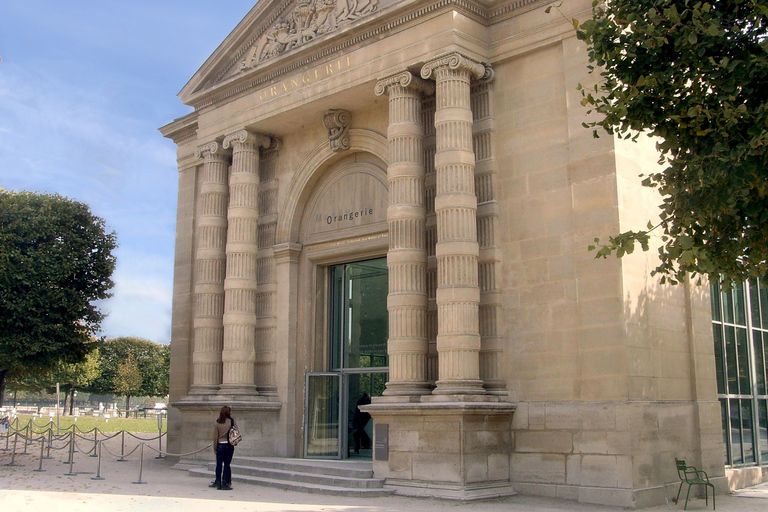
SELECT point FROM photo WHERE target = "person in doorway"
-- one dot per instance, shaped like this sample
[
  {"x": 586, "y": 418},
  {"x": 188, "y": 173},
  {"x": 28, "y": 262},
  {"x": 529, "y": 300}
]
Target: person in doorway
[
  {"x": 223, "y": 450},
  {"x": 359, "y": 420}
]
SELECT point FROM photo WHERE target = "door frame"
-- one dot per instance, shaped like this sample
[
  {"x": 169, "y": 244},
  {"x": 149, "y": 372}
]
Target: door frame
[{"x": 342, "y": 417}]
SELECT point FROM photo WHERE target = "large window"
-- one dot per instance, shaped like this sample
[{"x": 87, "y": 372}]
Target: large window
[{"x": 740, "y": 327}]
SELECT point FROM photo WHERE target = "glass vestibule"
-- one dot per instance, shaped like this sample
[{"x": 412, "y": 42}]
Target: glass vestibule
[
  {"x": 740, "y": 328},
  {"x": 357, "y": 362}
]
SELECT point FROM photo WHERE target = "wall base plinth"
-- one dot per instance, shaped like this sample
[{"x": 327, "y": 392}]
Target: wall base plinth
[
  {"x": 449, "y": 449},
  {"x": 451, "y": 492},
  {"x": 257, "y": 419}
]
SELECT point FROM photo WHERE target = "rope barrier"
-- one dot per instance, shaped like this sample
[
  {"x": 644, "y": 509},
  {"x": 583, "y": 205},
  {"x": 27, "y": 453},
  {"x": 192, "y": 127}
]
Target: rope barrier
[{"x": 70, "y": 438}]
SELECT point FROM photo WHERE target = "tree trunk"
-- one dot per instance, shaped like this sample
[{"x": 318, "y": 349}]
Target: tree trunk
[
  {"x": 127, "y": 405},
  {"x": 2, "y": 385},
  {"x": 66, "y": 400},
  {"x": 72, "y": 402}
]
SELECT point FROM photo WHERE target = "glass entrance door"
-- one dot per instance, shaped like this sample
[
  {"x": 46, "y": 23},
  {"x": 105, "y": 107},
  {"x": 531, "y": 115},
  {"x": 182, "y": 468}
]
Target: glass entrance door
[{"x": 357, "y": 362}]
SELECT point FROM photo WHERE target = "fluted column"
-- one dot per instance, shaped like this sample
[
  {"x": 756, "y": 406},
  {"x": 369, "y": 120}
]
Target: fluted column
[
  {"x": 238, "y": 354},
  {"x": 407, "y": 216},
  {"x": 210, "y": 261},
  {"x": 458, "y": 293}
]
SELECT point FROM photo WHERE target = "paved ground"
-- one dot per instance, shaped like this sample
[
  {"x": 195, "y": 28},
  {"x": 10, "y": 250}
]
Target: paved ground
[{"x": 170, "y": 490}]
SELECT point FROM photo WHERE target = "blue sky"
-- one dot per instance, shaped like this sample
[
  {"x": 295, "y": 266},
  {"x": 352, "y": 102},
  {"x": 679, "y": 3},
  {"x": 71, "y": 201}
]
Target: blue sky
[{"x": 84, "y": 86}]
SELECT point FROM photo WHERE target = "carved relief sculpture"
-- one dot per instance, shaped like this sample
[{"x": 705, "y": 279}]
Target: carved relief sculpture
[
  {"x": 337, "y": 121},
  {"x": 309, "y": 19}
]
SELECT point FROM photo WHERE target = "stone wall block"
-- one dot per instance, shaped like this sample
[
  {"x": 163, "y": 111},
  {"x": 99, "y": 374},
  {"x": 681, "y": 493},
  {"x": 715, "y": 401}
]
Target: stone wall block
[
  {"x": 439, "y": 466},
  {"x": 538, "y": 468}
]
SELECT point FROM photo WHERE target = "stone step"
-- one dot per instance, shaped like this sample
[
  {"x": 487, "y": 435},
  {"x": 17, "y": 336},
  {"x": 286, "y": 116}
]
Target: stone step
[
  {"x": 298, "y": 486},
  {"x": 341, "y": 478},
  {"x": 344, "y": 468}
]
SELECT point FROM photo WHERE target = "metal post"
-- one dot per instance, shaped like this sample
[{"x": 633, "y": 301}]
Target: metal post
[
  {"x": 50, "y": 440},
  {"x": 26, "y": 439},
  {"x": 95, "y": 441},
  {"x": 13, "y": 453},
  {"x": 141, "y": 465},
  {"x": 122, "y": 448},
  {"x": 71, "y": 461},
  {"x": 160, "y": 436},
  {"x": 57, "y": 407},
  {"x": 7, "y": 437},
  {"x": 98, "y": 467},
  {"x": 42, "y": 447}
]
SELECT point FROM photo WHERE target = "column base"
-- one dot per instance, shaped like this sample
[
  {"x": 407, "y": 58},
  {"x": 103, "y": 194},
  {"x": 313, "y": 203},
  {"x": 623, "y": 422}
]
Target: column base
[
  {"x": 197, "y": 393},
  {"x": 407, "y": 389},
  {"x": 238, "y": 389},
  {"x": 459, "y": 387}
]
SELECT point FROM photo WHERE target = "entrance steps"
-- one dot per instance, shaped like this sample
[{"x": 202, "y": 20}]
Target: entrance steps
[{"x": 336, "y": 477}]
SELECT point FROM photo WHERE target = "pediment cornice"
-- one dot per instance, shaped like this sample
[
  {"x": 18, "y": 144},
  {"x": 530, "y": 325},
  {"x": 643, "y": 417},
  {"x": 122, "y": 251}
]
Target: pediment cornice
[{"x": 279, "y": 37}]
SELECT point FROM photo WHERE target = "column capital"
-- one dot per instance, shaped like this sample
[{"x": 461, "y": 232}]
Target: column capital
[
  {"x": 455, "y": 60},
  {"x": 246, "y": 137},
  {"x": 404, "y": 79},
  {"x": 210, "y": 150}
]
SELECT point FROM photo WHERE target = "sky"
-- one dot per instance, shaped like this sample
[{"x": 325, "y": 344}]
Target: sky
[{"x": 84, "y": 87}]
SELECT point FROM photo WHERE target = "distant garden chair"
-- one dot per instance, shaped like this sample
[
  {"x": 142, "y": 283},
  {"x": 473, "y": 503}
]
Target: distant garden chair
[{"x": 692, "y": 476}]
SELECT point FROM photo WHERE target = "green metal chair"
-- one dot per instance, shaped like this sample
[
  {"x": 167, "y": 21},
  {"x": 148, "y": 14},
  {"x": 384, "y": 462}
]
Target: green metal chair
[{"x": 692, "y": 476}]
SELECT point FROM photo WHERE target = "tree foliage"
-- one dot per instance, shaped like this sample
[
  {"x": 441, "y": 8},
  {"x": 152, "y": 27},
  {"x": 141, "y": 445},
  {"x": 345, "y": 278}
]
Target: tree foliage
[
  {"x": 55, "y": 262},
  {"x": 128, "y": 380},
  {"x": 151, "y": 359},
  {"x": 694, "y": 74}
]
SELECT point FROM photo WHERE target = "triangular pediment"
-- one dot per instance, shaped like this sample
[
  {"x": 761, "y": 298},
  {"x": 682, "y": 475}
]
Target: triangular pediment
[{"x": 274, "y": 29}]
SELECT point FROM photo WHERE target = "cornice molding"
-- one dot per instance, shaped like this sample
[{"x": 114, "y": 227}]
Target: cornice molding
[
  {"x": 207, "y": 97},
  {"x": 181, "y": 129}
]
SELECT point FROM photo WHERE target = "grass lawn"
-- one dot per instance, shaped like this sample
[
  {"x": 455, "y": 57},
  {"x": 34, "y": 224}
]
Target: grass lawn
[{"x": 87, "y": 423}]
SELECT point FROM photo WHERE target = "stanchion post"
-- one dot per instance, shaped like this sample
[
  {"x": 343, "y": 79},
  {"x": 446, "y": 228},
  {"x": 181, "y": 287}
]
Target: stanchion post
[
  {"x": 122, "y": 448},
  {"x": 13, "y": 453},
  {"x": 7, "y": 437},
  {"x": 141, "y": 465},
  {"x": 98, "y": 466},
  {"x": 26, "y": 440},
  {"x": 160, "y": 436},
  {"x": 50, "y": 440},
  {"x": 71, "y": 461},
  {"x": 42, "y": 447},
  {"x": 95, "y": 441}
]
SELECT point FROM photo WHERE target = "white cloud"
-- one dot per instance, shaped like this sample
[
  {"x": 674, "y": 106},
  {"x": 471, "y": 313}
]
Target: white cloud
[{"x": 141, "y": 304}]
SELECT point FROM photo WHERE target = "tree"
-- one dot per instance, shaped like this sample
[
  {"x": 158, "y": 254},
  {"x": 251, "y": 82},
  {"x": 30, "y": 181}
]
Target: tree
[
  {"x": 151, "y": 359},
  {"x": 128, "y": 381},
  {"x": 55, "y": 262},
  {"x": 74, "y": 376},
  {"x": 692, "y": 74}
]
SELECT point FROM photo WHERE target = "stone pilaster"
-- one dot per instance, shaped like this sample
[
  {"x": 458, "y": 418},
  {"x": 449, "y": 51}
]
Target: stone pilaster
[
  {"x": 242, "y": 247},
  {"x": 408, "y": 346},
  {"x": 458, "y": 292},
  {"x": 210, "y": 263}
]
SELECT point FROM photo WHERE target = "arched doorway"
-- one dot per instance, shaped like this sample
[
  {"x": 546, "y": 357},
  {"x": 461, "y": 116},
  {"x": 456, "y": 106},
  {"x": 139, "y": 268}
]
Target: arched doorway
[{"x": 343, "y": 286}]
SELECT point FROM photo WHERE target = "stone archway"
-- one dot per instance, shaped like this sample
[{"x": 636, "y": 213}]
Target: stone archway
[{"x": 301, "y": 186}]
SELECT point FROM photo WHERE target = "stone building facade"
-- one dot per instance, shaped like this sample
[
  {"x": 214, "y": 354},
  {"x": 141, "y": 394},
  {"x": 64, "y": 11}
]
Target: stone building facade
[{"x": 396, "y": 197}]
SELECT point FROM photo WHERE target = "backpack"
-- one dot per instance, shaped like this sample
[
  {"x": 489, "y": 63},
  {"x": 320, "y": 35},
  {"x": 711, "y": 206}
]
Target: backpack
[{"x": 233, "y": 436}]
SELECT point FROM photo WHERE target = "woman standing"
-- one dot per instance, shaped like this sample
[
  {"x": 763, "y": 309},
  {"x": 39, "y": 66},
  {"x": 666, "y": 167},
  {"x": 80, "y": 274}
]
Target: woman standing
[{"x": 223, "y": 449}]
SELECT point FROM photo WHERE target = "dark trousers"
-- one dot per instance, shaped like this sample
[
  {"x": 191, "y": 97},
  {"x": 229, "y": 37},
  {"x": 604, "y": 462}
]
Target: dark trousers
[
  {"x": 224, "y": 453},
  {"x": 361, "y": 437}
]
